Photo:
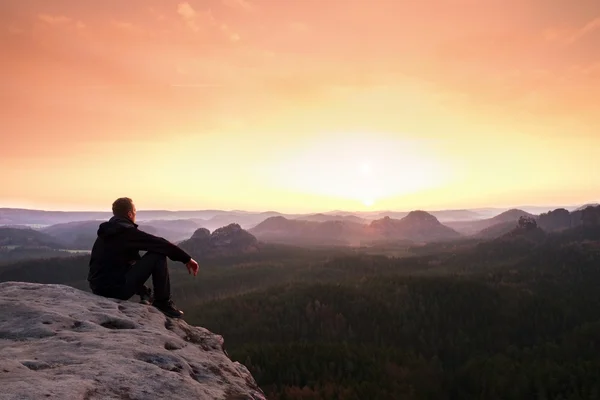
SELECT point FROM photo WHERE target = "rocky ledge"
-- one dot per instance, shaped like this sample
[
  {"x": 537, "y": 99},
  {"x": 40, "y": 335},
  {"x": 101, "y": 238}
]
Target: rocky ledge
[{"x": 57, "y": 342}]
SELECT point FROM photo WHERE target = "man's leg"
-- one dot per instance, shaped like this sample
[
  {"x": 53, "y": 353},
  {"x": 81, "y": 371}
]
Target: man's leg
[
  {"x": 151, "y": 264},
  {"x": 155, "y": 265}
]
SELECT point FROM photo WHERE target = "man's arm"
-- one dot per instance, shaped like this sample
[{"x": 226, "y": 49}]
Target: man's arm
[{"x": 140, "y": 240}]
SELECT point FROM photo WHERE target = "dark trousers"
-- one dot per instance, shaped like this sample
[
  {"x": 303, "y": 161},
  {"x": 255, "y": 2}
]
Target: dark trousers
[{"x": 151, "y": 264}]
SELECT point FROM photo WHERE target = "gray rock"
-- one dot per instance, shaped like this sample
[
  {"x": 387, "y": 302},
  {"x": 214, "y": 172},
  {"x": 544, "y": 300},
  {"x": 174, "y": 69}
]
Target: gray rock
[{"x": 57, "y": 342}]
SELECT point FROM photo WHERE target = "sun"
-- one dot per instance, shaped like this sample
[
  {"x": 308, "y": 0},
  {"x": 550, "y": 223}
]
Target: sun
[
  {"x": 368, "y": 202},
  {"x": 365, "y": 169}
]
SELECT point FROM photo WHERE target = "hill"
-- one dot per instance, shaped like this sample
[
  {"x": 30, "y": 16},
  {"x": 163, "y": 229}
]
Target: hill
[
  {"x": 417, "y": 226},
  {"x": 82, "y": 234},
  {"x": 561, "y": 219},
  {"x": 20, "y": 243},
  {"x": 17, "y": 237},
  {"x": 173, "y": 230},
  {"x": 474, "y": 227},
  {"x": 78, "y": 235},
  {"x": 301, "y": 232},
  {"x": 334, "y": 217},
  {"x": 228, "y": 241}
]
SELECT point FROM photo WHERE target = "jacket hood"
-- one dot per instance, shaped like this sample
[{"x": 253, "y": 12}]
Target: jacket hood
[{"x": 114, "y": 226}]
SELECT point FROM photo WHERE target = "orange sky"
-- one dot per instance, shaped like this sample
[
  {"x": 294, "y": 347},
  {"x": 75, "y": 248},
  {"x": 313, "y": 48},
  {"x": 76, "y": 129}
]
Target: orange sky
[{"x": 299, "y": 105}]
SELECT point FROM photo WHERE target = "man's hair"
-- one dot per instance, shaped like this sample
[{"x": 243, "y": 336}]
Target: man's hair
[{"x": 122, "y": 206}]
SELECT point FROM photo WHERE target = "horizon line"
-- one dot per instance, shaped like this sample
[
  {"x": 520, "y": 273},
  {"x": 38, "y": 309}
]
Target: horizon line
[{"x": 550, "y": 207}]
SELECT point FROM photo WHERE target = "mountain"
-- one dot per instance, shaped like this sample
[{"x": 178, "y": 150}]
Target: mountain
[
  {"x": 441, "y": 215},
  {"x": 18, "y": 237},
  {"x": 39, "y": 217},
  {"x": 82, "y": 234},
  {"x": 455, "y": 215},
  {"x": 583, "y": 207},
  {"x": 301, "y": 232},
  {"x": 14, "y": 216},
  {"x": 496, "y": 231},
  {"x": 173, "y": 230},
  {"x": 417, "y": 226},
  {"x": 590, "y": 216},
  {"x": 327, "y": 217},
  {"x": 79, "y": 235},
  {"x": 230, "y": 240},
  {"x": 527, "y": 229},
  {"x": 561, "y": 219},
  {"x": 244, "y": 219},
  {"x": 474, "y": 227},
  {"x": 60, "y": 342},
  {"x": 19, "y": 244}
]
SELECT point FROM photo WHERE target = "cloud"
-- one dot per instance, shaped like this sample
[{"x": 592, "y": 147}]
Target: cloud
[
  {"x": 190, "y": 16},
  {"x": 239, "y": 4},
  {"x": 128, "y": 27},
  {"x": 186, "y": 11},
  {"x": 231, "y": 35},
  {"x": 570, "y": 36},
  {"x": 54, "y": 19},
  {"x": 588, "y": 28},
  {"x": 195, "y": 19}
]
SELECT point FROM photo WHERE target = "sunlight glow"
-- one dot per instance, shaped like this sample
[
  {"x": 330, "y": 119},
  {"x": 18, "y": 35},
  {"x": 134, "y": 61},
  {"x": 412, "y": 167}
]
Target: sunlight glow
[
  {"x": 361, "y": 168},
  {"x": 365, "y": 169}
]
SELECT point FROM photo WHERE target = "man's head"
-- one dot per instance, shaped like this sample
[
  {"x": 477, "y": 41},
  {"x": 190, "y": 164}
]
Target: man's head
[{"x": 124, "y": 208}]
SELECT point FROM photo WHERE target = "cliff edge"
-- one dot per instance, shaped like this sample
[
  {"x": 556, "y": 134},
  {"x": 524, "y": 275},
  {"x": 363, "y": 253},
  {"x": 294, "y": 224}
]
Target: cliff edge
[{"x": 57, "y": 342}]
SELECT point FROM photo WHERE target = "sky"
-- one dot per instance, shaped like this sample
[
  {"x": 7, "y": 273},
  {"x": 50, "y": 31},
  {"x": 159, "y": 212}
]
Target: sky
[{"x": 299, "y": 105}]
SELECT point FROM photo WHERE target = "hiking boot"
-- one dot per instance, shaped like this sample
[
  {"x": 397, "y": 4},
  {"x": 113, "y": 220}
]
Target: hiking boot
[
  {"x": 168, "y": 308},
  {"x": 146, "y": 298}
]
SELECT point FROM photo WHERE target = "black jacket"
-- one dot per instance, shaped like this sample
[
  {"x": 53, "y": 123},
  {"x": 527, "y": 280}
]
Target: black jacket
[{"x": 117, "y": 247}]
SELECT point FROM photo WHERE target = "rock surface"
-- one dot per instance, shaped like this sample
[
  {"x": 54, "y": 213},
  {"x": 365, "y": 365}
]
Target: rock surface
[
  {"x": 57, "y": 342},
  {"x": 226, "y": 241}
]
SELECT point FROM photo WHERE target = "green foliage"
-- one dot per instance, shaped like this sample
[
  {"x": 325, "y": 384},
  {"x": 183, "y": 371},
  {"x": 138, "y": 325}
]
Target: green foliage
[
  {"x": 517, "y": 323},
  {"x": 65, "y": 270}
]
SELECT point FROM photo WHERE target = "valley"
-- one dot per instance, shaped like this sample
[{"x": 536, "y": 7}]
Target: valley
[{"x": 509, "y": 315}]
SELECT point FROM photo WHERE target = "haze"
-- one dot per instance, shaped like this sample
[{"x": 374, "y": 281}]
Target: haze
[{"x": 299, "y": 105}]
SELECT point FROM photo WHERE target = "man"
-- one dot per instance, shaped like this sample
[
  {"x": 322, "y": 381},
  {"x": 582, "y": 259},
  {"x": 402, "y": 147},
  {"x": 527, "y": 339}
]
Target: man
[{"x": 118, "y": 271}]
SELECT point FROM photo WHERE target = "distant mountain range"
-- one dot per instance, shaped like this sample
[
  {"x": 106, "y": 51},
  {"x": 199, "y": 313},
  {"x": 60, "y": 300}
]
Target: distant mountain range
[
  {"x": 416, "y": 226},
  {"x": 337, "y": 228},
  {"x": 17, "y": 237},
  {"x": 213, "y": 219},
  {"x": 475, "y": 226}
]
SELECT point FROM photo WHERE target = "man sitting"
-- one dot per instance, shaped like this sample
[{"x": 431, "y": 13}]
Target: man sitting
[{"x": 118, "y": 271}]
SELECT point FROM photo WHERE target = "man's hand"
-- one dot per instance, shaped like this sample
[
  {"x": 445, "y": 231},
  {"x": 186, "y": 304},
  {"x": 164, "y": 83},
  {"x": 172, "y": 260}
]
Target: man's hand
[{"x": 192, "y": 267}]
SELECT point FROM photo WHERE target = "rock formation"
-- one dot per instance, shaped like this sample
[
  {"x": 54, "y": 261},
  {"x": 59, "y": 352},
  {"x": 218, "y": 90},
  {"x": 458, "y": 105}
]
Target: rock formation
[
  {"x": 418, "y": 226},
  {"x": 226, "y": 241},
  {"x": 58, "y": 342}
]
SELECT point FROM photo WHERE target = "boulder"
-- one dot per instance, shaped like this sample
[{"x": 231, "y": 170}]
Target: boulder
[{"x": 57, "y": 342}]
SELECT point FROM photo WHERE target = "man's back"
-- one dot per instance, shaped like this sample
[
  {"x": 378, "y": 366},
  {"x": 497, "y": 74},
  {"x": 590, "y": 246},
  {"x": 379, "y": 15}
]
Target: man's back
[
  {"x": 118, "y": 271},
  {"x": 117, "y": 247}
]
